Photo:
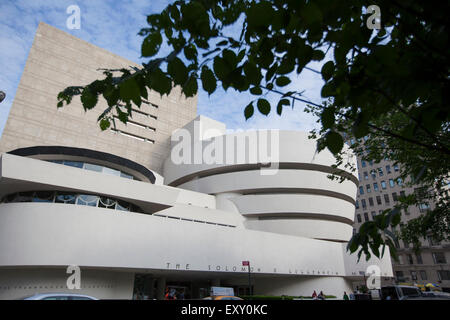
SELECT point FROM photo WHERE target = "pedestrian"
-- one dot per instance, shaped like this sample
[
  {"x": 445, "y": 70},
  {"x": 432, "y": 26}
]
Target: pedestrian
[
  {"x": 321, "y": 296},
  {"x": 314, "y": 295},
  {"x": 345, "y": 296},
  {"x": 352, "y": 296}
]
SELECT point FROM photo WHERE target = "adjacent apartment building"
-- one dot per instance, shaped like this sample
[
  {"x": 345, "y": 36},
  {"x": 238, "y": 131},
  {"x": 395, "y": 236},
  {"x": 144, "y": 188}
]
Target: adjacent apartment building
[{"x": 379, "y": 189}]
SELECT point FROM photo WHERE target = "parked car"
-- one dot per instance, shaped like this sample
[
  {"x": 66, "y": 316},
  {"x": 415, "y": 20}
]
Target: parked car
[
  {"x": 59, "y": 296},
  {"x": 400, "y": 292}
]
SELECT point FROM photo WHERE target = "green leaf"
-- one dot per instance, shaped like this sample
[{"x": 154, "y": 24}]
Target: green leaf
[
  {"x": 327, "y": 118},
  {"x": 327, "y": 70},
  {"x": 263, "y": 106},
  {"x": 328, "y": 90},
  {"x": 282, "y": 81},
  {"x": 104, "y": 124},
  {"x": 151, "y": 44},
  {"x": 178, "y": 71},
  {"x": 220, "y": 68},
  {"x": 129, "y": 90},
  {"x": 88, "y": 99},
  {"x": 260, "y": 14},
  {"x": 190, "y": 52},
  {"x": 208, "y": 80},
  {"x": 257, "y": 91},
  {"x": 360, "y": 126},
  {"x": 252, "y": 73},
  {"x": 191, "y": 87},
  {"x": 248, "y": 111},
  {"x": 159, "y": 82},
  {"x": 311, "y": 13},
  {"x": 334, "y": 142},
  {"x": 318, "y": 55},
  {"x": 281, "y": 103}
]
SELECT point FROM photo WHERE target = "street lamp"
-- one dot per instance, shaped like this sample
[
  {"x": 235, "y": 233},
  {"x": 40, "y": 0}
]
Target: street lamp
[{"x": 2, "y": 96}]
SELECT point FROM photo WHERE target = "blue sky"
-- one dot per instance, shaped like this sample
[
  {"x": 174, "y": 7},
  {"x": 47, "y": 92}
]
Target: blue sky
[{"x": 113, "y": 25}]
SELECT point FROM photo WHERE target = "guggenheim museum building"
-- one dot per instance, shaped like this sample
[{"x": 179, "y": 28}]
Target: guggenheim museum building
[{"x": 170, "y": 200}]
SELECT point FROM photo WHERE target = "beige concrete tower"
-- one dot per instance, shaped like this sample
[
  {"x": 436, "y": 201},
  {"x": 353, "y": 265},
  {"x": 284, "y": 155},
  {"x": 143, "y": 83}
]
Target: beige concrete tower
[{"x": 58, "y": 60}]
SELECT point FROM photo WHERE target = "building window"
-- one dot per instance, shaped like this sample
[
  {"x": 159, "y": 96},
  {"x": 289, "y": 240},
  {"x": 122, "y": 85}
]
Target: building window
[
  {"x": 366, "y": 216},
  {"x": 394, "y": 196},
  {"x": 378, "y": 200},
  {"x": 369, "y": 190},
  {"x": 424, "y": 207},
  {"x": 400, "y": 181},
  {"x": 439, "y": 257},
  {"x": 375, "y": 186},
  {"x": 373, "y": 173},
  {"x": 363, "y": 163},
  {"x": 366, "y": 175},
  {"x": 386, "y": 198},
  {"x": 432, "y": 242},
  {"x": 93, "y": 167},
  {"x": 388, "y": 169},
  {"x": 402, "y": 194},
  {"x": 443, "y": 275},
  {"x": 391, "y": 183},
  {"x": 361, "y": 190},
  {"x": 357, "y": 204},
  {"x": 371, "y": 202},
  {"x": 383, "y": 185},
  {"x": 363, "y": 203},
  {"x": 423, "y": 275},
  {"x": 410, "y": 259},
  {"x": 380, "y": 172},
  {"x": 419, "y": 258},
  {"x": 414, "y": 275},
  {"x": 399, "y": 275},
  {"x": 396, "y": 167},
  {"x": 358, "y": 217},
  {"x": 373, "y": 214},
  {"x": 71, "y": 198}
]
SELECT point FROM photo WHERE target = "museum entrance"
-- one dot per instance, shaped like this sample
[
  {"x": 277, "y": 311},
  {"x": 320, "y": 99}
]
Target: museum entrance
[{"x": 182, "y": 285}]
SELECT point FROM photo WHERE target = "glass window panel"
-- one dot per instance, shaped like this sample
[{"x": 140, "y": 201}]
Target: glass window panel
[
  {"x": 361, "y": 190},
  {"x": 87, "y": 200},
  {"x": 423, "y": 275},
  {"x": 107, "y": 203},
  {"x": 56, "y": 161},
  {"x": 122, "y": 205},
  {"x": 76, "y": 164},
  {"x": 110, "y": 171},
  {"x": 43, "y": 196},
  {"x": 65, "y": 198},
  {"x": 363, "y": 203},
  {"x": 93, "y": 167},
  {"x": 23, "y": 197}
]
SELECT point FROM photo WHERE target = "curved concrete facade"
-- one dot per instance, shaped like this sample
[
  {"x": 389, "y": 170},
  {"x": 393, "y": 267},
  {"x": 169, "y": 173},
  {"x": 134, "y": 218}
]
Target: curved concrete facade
[{"x": 275, "y": 179}]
